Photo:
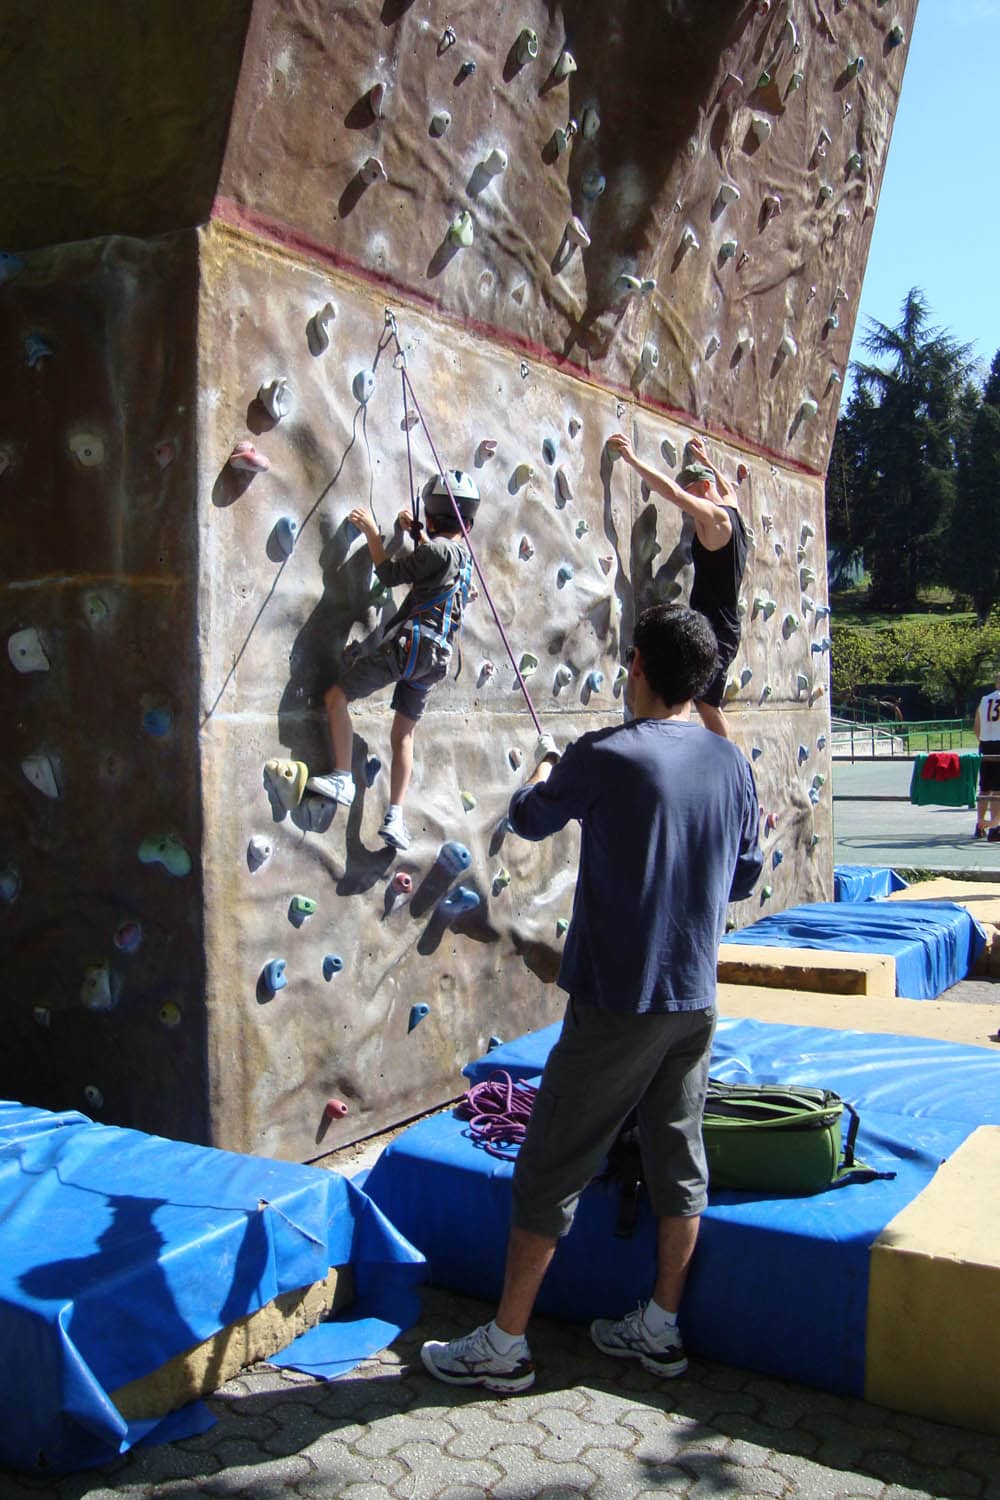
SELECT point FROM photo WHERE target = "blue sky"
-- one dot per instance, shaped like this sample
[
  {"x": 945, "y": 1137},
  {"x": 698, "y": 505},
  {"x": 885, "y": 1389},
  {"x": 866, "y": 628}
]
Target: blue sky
[{"x": 938, "y": 221}]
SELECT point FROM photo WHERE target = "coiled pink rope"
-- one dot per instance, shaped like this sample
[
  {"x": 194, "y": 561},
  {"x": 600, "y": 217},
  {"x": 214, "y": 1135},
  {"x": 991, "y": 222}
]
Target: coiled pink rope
[{"x": 498, "y": 1111}]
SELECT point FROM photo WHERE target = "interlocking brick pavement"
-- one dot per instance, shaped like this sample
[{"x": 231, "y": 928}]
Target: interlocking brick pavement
[{"x": 591, "y": 1427}]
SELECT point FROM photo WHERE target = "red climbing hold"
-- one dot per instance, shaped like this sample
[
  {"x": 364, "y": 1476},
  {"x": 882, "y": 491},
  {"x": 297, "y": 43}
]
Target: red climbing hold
[{"x": 336, "y": 1109}]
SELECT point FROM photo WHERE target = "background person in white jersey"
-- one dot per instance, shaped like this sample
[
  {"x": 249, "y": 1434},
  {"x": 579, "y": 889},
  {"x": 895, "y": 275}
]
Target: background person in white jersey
[{"x": 987, "y": 727}]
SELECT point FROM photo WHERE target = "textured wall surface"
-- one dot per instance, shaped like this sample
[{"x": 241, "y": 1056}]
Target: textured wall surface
[{"x": 181, "y": 647}]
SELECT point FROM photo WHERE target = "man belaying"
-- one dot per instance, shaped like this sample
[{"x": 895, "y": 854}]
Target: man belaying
[{"x": 417, "y": 646}]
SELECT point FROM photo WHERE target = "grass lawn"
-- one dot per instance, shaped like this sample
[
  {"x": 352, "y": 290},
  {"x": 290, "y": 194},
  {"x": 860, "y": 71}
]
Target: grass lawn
[{"x": 851, "y": 607}]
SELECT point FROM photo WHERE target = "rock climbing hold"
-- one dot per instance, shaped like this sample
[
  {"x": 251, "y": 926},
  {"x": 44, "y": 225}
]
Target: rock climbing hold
[
  {"x": 581, "y": 528},
  {"x": 40, "y": 771},
  {"x": 562, "y": 927},
  {"x": 35, "y": 350},
  {"x": 593, "y": 182},
  {"x": 728, "y": 249},
  {"x": 896, "y": 36},
  {"x": 803, "y": 754},
  {"x": 770, "y": 822},
  {"x": 565, "y": 575},
  {"x": 440, "y": 121},
  {"x": 621, "y": 677},
  {"x": 285, "y": 534},
  {"x": 776, "y": 859},
  {"x": 575, "y": 233},
  {"x": 495, "y": 162},
  {"x": 562, "y": 136},
  {"x": 669, "y": 451},
  {"x": 166, "y": 850},
  {"x": 649, "y": 358},
  {"x": 302, "y": 906},
  {"x": 549, "y": 450},
  {"x": 248, "y": 459},
  {"x": 287, "y": 778},
  {"x": 372, "y": 171},
  {"x": 99, "y": 988},
  {"x": 606, "y": 562},
  {"x": 565, "y": 64},
  {"x": 595, "y": 681},
  {"x": 448, "y": 38},
  {"x": 42, "y": 1016},
  {"x": 26, "y": 651},
  {"x": 796, "y": 81},
  {"x": 93, "y": 1096},
  {"x": 801, "y": 682},
  {"x": 493, "y": 1043},
  {"x": 95, "y": 608},
  {"x": 819, "y": 780},
  {"x": 454, "y": 857},
  {"x": 789, "y": 625},
  {"x": 461, "y": 230},
  {"x": 730, "y": 84},
  {"x": 766, "y": 892},
  {"x": 276, "y": 398},
  {"x": 376, "y": 99},
  {"x": 259, "y": 851},
  {"x": 486, "y": 449},
  {"x": 363, "y": 386},
  {"x": 854, "y": 67},
  {"x": 402, "y": 883},
  {"x": 318, "y": 330},
  {"x": 590, "y": 122},
  {"x": 526, "y": 47},
  {"x": 627, "y": 285},
  {"x": 756, "y": 752},
  {"x": 466, "y": 70},
  {"x": 764, "y": 605},
  {"x": 713, "y": 346},
  {"x": 158, "y": 720},
  {"x": 87, "y": 448},
  {"x": 807, "y": 532},
  {"x": 746, "y": 676},
  {"x": 760, "y": 129},
  {"x": 825, "y": 192},
  {"x": 525, "y": 551},
  {"x": 487, "y": 670},
  {"x": 273, "y": 976},
  {"x": 522, "y": 475},
  {"x": 11, "y": 265},
  {"x": 563, "y": 677},
  {"x": 832, "y": 323},
  {"x": 771, "y": 207},
  {"x": 515, "y": 758},
  {"x": 459, "y": 901},
  {"x": 170, "y": 1015},
  {"x": 744, "y": 345},
  {"x": 417, "y": 1014},
  {"x": 854, "y": 161},
  {"x": 332, "y": 964},
  {"x": 730, "y": 690},
  {"x": 501, "y": 880},
  {"x": 335, "y": 1109},
  {"x": 787, "y": 347},
  {"x": 821, "y": 742},
  {"x": 766, "y": 692},
  {"x": 468, "y": 800},
  {"x": 164, "y": 455},
  {"x": 372, "y": 767},
  {"x": 806, "y": 577},
  {"x": 728, "y": 193},
  {"x": 128, "y": 936},
  {"x": 10, "y": 884},
  {"x": 822, "y": 611},
  {"x": 689, "y": 240}
]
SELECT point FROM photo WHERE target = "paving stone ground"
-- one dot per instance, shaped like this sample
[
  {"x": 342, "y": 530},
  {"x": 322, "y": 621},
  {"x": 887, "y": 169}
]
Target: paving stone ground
[{"x": 593, "y": 1427}]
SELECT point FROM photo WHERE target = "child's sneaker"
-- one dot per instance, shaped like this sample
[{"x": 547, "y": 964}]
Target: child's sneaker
[
  {"x": 630, "y": 1339},
  {"x": 338, "y": 786},
  {"x": 394, "y": 831},
  {"x": 472, "y": 1360}
]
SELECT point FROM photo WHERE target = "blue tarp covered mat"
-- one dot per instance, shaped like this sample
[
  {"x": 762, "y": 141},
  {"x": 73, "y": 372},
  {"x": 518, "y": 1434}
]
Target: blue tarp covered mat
[
  {"x": 778, "y": 1284},
  {"x": 934, "y": 943},
  {"x": 865, "y": 882},
  {"x": 119, "y": 1250}
]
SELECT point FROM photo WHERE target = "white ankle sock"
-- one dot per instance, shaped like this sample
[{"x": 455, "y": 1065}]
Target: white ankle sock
[
  {"x": 657, "y": 1321},
  {"x": 503, "y": 1343},
  {"x": 394, "y": 810}
]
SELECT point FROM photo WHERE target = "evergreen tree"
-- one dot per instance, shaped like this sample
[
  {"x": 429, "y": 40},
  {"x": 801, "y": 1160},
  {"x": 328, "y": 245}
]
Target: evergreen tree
[
  {"x": 974, "y": 535},
  {"x": 909, "y": 424}
]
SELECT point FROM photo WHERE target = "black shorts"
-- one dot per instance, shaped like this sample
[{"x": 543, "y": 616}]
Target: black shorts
[
  {"x": 716, "y": 690},
  {"x": 989, "y": 770}
]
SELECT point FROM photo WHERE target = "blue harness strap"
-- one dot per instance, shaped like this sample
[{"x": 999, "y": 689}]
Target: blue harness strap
[{"x": 440, "y": 630}]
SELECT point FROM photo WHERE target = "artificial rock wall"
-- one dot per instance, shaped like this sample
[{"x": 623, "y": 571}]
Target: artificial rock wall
[{"x": 172, "y": 621}]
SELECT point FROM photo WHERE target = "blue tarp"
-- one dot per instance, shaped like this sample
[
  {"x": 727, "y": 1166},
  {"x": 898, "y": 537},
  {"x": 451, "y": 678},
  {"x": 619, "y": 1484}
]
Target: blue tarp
[
  {"x": 934, "y": 943},
  {"x": 865, "y": 882},
  {"x": 121, "y": 1250},
  {"x": 778, "y": 1284}
]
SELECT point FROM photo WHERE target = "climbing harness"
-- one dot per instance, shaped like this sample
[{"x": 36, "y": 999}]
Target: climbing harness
[
  {"x": 445, "y": 618},
  {"x": 498, "y": 1111},
  {"x": 390, "y": 334}
]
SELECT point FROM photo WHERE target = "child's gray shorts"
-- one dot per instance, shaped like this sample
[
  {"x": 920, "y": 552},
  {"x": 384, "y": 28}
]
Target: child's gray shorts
[
  {"x": 376, "y": 669},
  {"x": 604, "y": 1065}
]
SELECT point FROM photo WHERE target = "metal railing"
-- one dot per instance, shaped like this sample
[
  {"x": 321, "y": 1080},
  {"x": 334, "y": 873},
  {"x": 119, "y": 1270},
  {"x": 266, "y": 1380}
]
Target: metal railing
[{"x": 894, "y": 740}]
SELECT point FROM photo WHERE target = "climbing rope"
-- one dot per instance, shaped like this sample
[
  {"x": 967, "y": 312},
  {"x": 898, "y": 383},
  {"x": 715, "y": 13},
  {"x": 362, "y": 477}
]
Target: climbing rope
[
  {"x": 498, "y": 1111},
  {"x": 390, "y": 332}
]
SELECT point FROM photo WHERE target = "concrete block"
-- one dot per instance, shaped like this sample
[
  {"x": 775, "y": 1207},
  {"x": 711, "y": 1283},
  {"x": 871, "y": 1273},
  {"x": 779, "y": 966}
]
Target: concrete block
[{"x": 823, "y": 970}]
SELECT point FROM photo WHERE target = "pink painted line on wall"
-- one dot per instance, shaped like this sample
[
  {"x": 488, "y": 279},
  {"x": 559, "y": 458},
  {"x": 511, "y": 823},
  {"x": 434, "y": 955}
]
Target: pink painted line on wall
[{"x": 228, "y": 211}]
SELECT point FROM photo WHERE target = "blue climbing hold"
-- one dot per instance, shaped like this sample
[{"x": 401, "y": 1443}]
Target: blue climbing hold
[
  {"x": 285, "y": 534},
  {"x": 417, "y": 1013},
  {"x": 776, "y": 859},
  {"x": 274, "y": 976},
  {"x": 332, "y": 964},
  {"x": 458, "y": 902},
  {"x": 493, "y": 1043},
  {"x": 565, "y": 574},
  {"x": 595, "y": 681},
  {"x": 35, "y": 350},
  {"x": 756, "y": 752},
  {"x": 157, "y": 721},
  {"x": 454, "y": 857}
]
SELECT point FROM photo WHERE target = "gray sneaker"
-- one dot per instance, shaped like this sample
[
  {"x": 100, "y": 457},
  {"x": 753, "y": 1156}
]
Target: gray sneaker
[
  {"x": 394, "y": 831},
  {"x": 629, "y": 1339},
  {"x": 338, "y": 787},
  {"x": 472, "y": 1360}
]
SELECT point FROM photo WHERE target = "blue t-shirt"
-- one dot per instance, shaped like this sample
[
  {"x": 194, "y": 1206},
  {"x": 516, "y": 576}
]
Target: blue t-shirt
[{"x": 669, "y": 817}]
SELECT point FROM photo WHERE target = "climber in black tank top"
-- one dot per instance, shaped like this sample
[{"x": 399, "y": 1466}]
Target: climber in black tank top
[{"x": 718, "y": 551}]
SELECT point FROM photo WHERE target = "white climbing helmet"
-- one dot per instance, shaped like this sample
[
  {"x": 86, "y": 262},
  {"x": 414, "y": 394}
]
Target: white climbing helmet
[{"x": 463, "y": 487}]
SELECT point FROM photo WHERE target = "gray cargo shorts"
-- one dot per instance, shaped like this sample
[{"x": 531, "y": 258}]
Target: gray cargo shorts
[
  {"x": 386, "y": 664},
  {"x": 604, "y": 1065}
]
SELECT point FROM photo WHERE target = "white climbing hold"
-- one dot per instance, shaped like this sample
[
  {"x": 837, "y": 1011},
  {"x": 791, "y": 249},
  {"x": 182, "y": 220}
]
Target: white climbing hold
[
  {"x": 825, "y": 192},
  {"x": 771, "y": 207},
  {"x": 363, "y": 386},
  {"x": 318, "y": 332},
  {"x": 728, "y": 193},
  {"x": 26, "y": 651},
  {"x": 496, "y": 162},
  {"x": 764, "y": 605},
  {"x": 276, "y": 398},
  {"x": 808, "y": 409},
  {"x": 40, "y": 771},
  {"x": 650, "y": 357},
  {"x": 689, "y": 240},
  {"x": 760, "y": 129},
  {"x": 576, "y": 233},
  {"x": 461, "y": 230},
  {"x": 259, "y": 851},
  {"x": 440, "y": 121},
  {"x": 97, "y": 992},
  {"x": 565, "y": 64},
  {"x": 87, "y": 448},
  {"x": 376, "y": 99},
  {"x": 563, "y": 135},
  {"x": 248, "y": 459},
  {"x": 372, "y": 171},
  {"x": 744, "y": 344},
  {"x": 806, "y": 577},
  {"x": 796, "y": 81},
  {"x": 787, "y": 347}
]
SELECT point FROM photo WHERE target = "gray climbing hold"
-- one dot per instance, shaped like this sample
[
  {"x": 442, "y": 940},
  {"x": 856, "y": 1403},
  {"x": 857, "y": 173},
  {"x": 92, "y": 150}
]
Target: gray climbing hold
[
  {"x": 563, "y": 677},
  {"x": 808, "y": 408},
  {"x": 581, "y": 528},
  {"x": 771, "y": 207},
  {"x": 787, "y": 347},
  {"x": 526, "y": 46},
  {"x": 286, "y": 533},
  {"x": 276, "y": 398},
  {"x": 728, "y": 249},
  {"x": 789, "y": 625},
  {"x": 35, "y": 350},
  {"x": 728, "y": 193},
  {"x": 363, "y": 386},
  {"x": 372, "y": 171},
  {"x": 593, "y": 183},
  {"x": 40, "y": 770},
  {"x": 26, "y": 651},
  {"x": 525, "y": 550},
  {"x": 689, "y": 240},
  {"x": 565, "y": 64},
  {"x": 575, "y": 233},
  {"x": 259, "y": 851},
  {"x": 332, "y": 964},
  {"x": 440, "y": 121},
  {"x": 549, "y": 451},
  {"x": 99, "y": 990},
  {"x": 93, "y": 1096},
  {"x": 760, "y": 129},
  {"x": 495, "y": 162},
  {"x": 649, "y": 359}
]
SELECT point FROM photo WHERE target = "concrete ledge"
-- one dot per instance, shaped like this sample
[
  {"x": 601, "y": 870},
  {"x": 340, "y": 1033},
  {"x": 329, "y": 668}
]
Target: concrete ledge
[
  {"x": 941, "y": 1020},
  {"x": 205, "y": 1367},
  {"x": 829, "y": 971},
  {"x": 934, "y": 1295}
]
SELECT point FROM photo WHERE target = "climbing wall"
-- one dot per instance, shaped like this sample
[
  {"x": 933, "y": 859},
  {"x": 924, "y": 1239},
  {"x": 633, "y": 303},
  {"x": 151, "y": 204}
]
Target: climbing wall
[{"x": 654, "y": 219}]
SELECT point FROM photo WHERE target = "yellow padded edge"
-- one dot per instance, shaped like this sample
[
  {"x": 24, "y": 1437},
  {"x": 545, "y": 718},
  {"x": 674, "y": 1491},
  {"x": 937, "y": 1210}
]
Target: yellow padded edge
[{"x": 934, "y": 1295}]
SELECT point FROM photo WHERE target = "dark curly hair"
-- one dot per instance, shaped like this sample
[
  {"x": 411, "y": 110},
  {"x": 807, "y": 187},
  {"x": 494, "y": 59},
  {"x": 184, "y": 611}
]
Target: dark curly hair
[{"x": 680, "y": 654}]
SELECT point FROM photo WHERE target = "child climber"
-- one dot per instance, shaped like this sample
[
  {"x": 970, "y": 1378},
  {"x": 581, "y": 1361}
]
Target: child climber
[
  {"x": 718, "y": 551},
  {"x": 417, "y": 645}
]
